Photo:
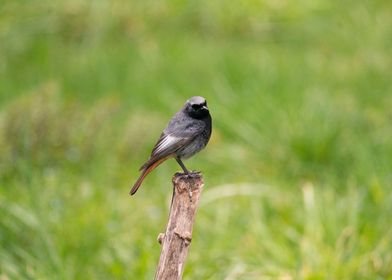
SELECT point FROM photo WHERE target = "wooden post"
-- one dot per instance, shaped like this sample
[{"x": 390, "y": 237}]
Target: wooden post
[{"x": 178, "y": 236}]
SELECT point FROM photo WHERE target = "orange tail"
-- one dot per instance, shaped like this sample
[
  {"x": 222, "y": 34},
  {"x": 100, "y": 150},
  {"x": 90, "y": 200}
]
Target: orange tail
[{"x": 145, "y": 172}]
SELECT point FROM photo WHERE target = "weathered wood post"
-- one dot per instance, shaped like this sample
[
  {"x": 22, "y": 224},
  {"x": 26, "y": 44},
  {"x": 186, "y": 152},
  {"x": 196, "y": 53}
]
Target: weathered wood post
[{"x": 178, "y": 236}]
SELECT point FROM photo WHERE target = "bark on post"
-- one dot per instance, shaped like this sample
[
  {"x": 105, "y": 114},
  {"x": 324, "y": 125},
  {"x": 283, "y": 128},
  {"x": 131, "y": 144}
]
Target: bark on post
[{"x": 178, "y": 236}]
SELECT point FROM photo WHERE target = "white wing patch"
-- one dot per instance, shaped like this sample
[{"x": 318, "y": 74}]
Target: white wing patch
[{"x": 166, "y": 142}]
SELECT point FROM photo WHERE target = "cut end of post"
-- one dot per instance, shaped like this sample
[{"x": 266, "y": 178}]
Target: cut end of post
[{"x": 188, "y": 182}]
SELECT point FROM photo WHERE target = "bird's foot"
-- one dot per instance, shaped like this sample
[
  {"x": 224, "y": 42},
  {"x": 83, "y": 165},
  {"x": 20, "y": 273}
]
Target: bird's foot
[{"x": 192, "y": 174}]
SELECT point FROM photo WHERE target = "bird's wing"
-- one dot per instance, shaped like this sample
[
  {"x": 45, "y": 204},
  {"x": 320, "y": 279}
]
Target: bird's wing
[{"x": 167, "y": 145}]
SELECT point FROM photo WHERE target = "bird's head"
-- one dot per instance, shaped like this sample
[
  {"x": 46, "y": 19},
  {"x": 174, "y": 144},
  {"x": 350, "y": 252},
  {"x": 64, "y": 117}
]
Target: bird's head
[{"x": 196, "y": 107}]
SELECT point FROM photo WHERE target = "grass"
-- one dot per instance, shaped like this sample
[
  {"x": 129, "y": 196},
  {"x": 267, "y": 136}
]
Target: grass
[{"x": 298, "y": 170}]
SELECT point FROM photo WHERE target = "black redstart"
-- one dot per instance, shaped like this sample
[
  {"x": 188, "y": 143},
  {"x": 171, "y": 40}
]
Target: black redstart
[{"x": 186, "y": 134}]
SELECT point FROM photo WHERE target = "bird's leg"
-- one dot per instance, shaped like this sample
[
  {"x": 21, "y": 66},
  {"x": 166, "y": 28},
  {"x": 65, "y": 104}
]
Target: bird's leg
[
  {"x": 187, "y": 174},
  {"x": 182, "y": 165}
]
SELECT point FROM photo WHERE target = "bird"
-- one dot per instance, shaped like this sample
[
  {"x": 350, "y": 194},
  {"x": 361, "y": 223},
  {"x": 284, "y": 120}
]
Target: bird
[{"x": 188, "y": 132}]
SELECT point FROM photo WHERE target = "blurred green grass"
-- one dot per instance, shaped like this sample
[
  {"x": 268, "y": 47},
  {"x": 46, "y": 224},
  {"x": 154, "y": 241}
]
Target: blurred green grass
[{"x": 298, "y": 171}]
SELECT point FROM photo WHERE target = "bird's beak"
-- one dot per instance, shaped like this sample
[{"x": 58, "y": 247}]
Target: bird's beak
[{"x": 205, "y": 108}]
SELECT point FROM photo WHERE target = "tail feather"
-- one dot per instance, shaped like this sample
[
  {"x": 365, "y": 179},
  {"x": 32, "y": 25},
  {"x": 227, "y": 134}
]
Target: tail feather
[
  {"x": 146, "y": 169},
  {"x": 138, "y": 182}
]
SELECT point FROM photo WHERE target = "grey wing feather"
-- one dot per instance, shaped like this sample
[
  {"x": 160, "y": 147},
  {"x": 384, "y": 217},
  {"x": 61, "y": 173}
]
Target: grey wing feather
[
  {"x": 166, "y": 145},
  {"x": 179, "y": 132}
]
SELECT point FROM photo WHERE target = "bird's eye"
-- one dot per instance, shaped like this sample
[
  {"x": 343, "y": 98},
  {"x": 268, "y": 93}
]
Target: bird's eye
[{"x": 196, "y": 106}]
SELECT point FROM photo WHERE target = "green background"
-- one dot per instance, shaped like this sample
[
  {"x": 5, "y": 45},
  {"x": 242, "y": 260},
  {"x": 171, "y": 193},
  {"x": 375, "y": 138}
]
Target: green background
[{"x": 298, "y": 172}]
